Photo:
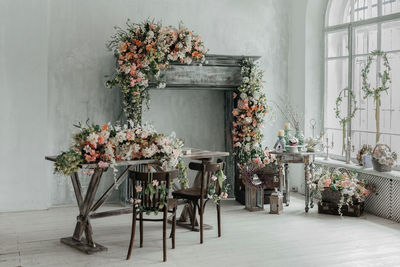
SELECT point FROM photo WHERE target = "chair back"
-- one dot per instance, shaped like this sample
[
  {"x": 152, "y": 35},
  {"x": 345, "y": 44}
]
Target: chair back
[
  {"x": 144, "y": 180},
  {"x": 208, "y": 170}
]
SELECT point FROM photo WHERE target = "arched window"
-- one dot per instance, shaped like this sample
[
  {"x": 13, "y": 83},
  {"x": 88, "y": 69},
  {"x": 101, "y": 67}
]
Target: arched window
[{"x": 354, "y": 28}]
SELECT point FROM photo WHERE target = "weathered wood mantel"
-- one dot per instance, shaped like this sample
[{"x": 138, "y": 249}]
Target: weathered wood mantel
[{"x": 221, "y": 72}]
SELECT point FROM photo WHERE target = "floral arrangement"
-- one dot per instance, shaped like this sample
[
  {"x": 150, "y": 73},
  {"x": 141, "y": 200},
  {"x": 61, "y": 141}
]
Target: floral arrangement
[
  {"x": 249, "y": 115},
  {"x": 217, "y": 179},
  {"x": 153, "y": 187},
  {"x": 376, "y": 92},
  {"x": 345, "y": 183},
  {"x": 293, "y": 141},
  {"x": 384, "y": 156},
  {"x": 142, "y": 51},
  {"x": 313, "y": 143},
  {"x": 365, "y": 150},
  {"x": 106, "y": 145}
]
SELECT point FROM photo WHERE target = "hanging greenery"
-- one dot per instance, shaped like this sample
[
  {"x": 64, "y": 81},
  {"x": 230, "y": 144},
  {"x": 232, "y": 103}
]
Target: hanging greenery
[
  {"x": 142, "y": 51},
  {"x": 384, "y": 79},
  {"x": 344, "y": 120}
]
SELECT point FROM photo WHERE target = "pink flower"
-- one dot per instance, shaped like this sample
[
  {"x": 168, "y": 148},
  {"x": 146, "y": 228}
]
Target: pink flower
[
  {"x": 138, "y": 189},
  {"x": 328, "y": 182},
  {"x": 225, "y": 195},
  {"x": 138, "y": 201},
  {"x": 103, "y": 164},
  {"x": 155, "y": 182},
  {"x": 213, "y": 178},
  {"x": 91, "y": 172},
  {"x": 257, "y": 161}
]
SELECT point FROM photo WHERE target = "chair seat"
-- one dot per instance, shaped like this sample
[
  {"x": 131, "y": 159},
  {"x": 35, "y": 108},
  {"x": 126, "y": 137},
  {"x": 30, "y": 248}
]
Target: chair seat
[
  {"x": 172, "y": 203},
  {"x": 192, "y": 193}
]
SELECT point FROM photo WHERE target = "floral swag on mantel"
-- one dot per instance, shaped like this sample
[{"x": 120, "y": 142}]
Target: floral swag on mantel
[
  {"x": 142, "y": 51},
  {"x": 249, "y": 115}
]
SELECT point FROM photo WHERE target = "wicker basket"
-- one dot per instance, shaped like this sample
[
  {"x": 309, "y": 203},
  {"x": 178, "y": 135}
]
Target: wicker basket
[
  {"x": 328, "y": 195},
  {"x": 378, "y": 166}
]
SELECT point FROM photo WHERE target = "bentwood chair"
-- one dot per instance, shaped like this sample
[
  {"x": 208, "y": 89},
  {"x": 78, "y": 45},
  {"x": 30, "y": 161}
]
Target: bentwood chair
[
  {"x": 197, "y": 197},
  {"x": 143, "y": 180}
]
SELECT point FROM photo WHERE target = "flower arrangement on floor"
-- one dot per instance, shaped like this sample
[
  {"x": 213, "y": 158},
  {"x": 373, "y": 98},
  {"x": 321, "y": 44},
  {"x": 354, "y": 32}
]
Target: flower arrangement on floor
[
  {"x": 249, "y": 115},
  {"x": 383, "y": 158},
  {"x": 106, "y": 145},
  {"x": 342, "y": 184},
  {"x": 142, "y": 51}
]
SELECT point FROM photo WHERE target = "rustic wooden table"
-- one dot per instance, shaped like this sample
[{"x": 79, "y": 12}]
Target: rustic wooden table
[
  {"x": 284, "y": 159},
  {"x": 87, "y": 210}
]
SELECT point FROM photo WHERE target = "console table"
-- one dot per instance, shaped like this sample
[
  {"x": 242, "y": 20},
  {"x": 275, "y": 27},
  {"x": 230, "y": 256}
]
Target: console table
[
  {"x": 286, "y": 158},
  {"x": 87, "y": 210}
]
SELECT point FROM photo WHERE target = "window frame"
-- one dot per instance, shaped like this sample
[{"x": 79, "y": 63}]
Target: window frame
[{"x": 351, "y": 56}]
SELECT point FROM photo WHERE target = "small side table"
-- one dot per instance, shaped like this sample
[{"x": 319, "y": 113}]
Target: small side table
[{"x": 286, "y": 158}]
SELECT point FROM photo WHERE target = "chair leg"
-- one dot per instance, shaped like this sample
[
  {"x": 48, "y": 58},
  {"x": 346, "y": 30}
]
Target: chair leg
[
  {"x": 141, "y": 228},
  {"x": 173, "y": 228},
  {"x": 165, "y": 234},
  {"x": 219, "y": 217},
  {"x": 132, "y": 233},
  {"x": 194, "y": 215},
  {"x": 201, "y": 222}
]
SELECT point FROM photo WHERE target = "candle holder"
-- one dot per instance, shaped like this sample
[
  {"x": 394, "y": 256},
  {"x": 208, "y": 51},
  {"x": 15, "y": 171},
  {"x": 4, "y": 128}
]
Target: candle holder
[
  {"x": 327, "y": 147},
  {"x": 287, "y": 137}
]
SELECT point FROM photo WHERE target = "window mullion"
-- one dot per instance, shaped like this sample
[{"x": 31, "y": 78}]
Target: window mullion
[{"x": 350, "y": 88}]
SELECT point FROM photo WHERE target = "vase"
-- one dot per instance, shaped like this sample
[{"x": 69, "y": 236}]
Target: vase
[
  {"x": 293, "y": 149},
  {"x": 300, "y": 136}
]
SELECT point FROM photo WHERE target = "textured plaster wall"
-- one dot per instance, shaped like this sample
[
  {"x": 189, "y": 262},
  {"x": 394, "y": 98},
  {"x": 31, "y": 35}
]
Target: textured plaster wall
[
  {"x": 306, "y": 71},
  {"x": 52, "y": 66}
]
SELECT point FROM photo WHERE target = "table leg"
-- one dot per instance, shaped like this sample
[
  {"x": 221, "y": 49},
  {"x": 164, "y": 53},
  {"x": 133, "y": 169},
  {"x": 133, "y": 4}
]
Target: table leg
[
  {"x": 281, "y": 178},
  {"x": 83, "y": 223},
  {"x": 312, "y": 168},
  {"x": 306, "y": 179},
  {"x": 287, "y": 186}
]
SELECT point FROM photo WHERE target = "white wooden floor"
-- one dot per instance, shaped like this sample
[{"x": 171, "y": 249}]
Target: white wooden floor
[{"x": 249, "y": 239}]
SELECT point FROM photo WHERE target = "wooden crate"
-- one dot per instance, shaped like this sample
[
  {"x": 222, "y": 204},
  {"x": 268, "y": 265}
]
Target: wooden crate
[{"x": 354, "y": 210}]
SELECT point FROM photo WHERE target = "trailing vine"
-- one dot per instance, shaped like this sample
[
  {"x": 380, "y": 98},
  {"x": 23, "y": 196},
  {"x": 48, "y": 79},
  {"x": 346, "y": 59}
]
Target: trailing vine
[{"x": 385, "y": 81}]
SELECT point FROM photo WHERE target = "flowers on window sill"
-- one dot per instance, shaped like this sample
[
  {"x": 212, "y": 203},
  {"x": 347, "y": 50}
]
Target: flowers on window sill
[{"x": 384, "y": 156}]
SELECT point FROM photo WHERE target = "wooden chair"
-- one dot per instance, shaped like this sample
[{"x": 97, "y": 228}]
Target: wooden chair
[
  {"x": 197, "y": 196},
  {"x": 142, "y": 179}
]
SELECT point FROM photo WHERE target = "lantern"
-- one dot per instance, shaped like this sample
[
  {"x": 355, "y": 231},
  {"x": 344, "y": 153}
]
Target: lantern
[
  {"x": 254, "y": 198},
  {"x": 276, "y": 202}
]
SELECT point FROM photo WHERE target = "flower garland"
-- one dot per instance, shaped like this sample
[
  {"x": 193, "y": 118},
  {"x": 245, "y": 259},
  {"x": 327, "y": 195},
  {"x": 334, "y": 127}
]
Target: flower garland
[
  {"x": 376, "y": 92},
  {"x": 249, "y": 115},
  {"x": 344, "y": 120},
  {"x": 217, "y": 179},
  {"x": 142, "y": 50},
  {"x": 106, "y": 145}
]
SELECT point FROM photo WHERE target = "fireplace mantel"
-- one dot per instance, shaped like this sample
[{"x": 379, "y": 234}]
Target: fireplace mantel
[{"x": 222, "y": 72}]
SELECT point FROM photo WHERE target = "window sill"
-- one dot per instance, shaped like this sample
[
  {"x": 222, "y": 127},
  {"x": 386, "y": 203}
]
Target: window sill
[{"x": 395, "y": 175}]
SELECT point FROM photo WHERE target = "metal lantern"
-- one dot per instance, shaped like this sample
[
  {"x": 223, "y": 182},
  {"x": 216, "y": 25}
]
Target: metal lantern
[
  {"x": 254, "y": 198},
  {"x": 276, "y": 202}
]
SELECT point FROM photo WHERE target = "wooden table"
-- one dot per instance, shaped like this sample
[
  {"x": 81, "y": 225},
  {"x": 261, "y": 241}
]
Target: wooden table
[
  {"x": 284, "y": 159},
  {"x": 87, "y": 210}
]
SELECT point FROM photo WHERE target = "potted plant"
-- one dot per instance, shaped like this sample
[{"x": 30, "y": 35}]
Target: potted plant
[
  {"x": 340, "y": 189},
  {"x": 293, "y": 141},
  {"x": 383, "y": 158}
]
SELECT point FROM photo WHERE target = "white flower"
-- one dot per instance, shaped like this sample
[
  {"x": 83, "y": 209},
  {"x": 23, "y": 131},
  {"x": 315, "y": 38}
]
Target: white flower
[
  {"x": 246, "y": 79},
  {"x": 120, "y": 136},
  {"x": 150, "y": 34},
  {"x": 243, "y": 96},
  {"x": 135, "y": 148},
  {"x": 93, "y": 138}
]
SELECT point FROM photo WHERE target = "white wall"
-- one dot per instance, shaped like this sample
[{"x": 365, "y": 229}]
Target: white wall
[
  {"x": 306, "y": 71},
  {"x": 53, "y": 59}
]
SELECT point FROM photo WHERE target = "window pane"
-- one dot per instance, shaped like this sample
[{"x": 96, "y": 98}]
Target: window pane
[
  {"x": 337, "y": 44},
  {"x": 365, "y": 9},
  {"x": 339, "y": 12},
  {"x": 335, "y": 141},
  {"x": 391, "y": 101},
  {"x": 365, "y": 39},
  {"x": 390, "y": 6},
  {"x": 337, "y": 77},
  {"x": 391, "y": 36}
]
